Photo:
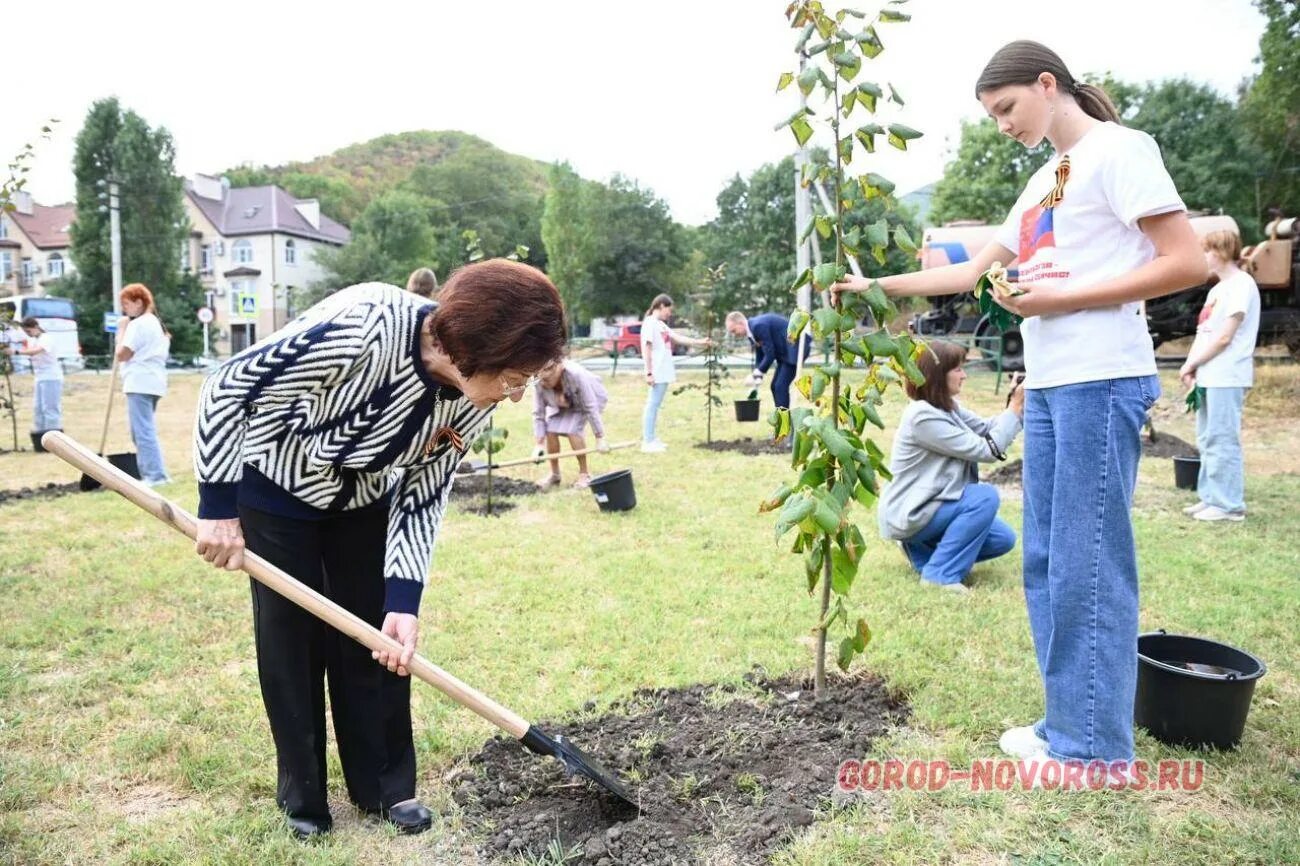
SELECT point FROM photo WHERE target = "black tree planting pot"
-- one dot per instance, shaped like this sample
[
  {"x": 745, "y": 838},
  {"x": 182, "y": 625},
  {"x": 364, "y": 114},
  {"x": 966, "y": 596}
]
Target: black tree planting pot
[
  {"x": 614, "y": 490},
  {"x": 747, "y": 410},
  {"x": 1186, "y": 471},
  {"x": 1192, "y": 691}
]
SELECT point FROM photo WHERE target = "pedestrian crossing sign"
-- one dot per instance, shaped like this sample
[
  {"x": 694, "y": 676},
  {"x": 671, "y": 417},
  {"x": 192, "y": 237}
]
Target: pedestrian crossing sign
[{"x": 246, "y": 303}]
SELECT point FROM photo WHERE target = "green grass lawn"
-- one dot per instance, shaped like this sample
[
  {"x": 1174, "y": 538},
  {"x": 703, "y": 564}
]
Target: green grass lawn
[{"x": 131, "y": 726}]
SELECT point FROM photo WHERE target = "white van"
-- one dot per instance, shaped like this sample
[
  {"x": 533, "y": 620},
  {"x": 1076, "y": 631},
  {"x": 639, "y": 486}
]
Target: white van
[{"x": 57, "y": 317}]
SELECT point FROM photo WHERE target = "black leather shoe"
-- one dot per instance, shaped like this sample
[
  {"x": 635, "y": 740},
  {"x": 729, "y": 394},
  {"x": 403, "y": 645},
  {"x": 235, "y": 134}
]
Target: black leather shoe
[
  {"x": 410, "y": 817},
  {"x": 308, "y": 828}
]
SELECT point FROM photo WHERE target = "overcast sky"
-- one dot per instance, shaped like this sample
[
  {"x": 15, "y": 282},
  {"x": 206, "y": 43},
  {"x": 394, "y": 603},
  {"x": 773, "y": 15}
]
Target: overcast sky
[{"x": 677, "y": 95}]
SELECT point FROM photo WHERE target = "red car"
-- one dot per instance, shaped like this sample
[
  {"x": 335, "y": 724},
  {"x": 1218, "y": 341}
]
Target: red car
[{"x": 626, "y": 341}]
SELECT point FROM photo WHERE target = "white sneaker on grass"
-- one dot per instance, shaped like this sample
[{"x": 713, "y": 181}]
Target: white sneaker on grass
[
  {"x": 1213, "y": 512},
  {"x": 653, "y": 447},
  {"x": 959, "y": 588},
  {"x": 1192, "y": 509},
  {"x": 1022, "y": 742}
]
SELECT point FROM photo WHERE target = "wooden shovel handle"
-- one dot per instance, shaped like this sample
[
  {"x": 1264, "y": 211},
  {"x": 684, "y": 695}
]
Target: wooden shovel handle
[
  {"x": 276, "y": 579},
  {"x": 562, "y": 454},
  {"x": 108, "y": 411}
]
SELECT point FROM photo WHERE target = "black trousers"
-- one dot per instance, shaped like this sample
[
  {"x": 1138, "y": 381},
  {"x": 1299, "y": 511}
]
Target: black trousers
[{"x": 342, "y": 558}]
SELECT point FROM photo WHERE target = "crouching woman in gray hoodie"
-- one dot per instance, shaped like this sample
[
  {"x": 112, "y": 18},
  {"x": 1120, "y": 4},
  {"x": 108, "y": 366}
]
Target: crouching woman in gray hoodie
[{"x": 945, "y": 519}]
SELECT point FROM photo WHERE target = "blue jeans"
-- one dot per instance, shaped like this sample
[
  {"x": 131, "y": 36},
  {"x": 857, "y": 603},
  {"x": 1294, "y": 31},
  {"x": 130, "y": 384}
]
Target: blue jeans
[
  {"x": 781, "y": 380},
  {"x": 140, "y": 411},
  {"x": 651, "y": 416},
  {"x": 1222, "y": 482},
  {"x": 960, "y": 534},
  {"x": 47, "y": 407},
  {"x": 1081, "y": 580}
]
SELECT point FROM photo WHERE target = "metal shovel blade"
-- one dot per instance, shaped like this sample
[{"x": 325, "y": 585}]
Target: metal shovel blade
[
  {"x": 575, "y": 761},
  {"x": 753, "y": 395}
]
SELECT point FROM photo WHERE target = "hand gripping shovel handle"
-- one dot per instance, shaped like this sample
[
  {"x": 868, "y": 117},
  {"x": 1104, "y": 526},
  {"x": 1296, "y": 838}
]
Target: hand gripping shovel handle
[{"x": 318, "y": 605}]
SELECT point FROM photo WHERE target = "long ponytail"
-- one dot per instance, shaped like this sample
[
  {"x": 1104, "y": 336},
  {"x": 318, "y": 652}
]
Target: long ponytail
[{"x": 1022, "y": 61}]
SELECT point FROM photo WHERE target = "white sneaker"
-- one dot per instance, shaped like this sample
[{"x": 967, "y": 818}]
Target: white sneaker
[
  {"x": 1192, "y": 509},
  {"x": 959, "y": 588},
  {"x": 1022, "y": 742},
  {"x": 654, "y": 447},
  {"x": 1212, "y": 512}
]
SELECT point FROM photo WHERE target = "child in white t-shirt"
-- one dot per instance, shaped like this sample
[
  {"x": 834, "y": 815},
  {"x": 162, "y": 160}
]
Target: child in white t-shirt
[
  {"x": 1098, "y": 229},
  {"x": 1222, "y": 363},
  {"x": 657, "y": 340},
  {"x": 47, "y": 406}
]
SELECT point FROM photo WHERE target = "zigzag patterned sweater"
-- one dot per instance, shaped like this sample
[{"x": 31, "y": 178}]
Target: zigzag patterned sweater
[{"x": 336, "y": 412}]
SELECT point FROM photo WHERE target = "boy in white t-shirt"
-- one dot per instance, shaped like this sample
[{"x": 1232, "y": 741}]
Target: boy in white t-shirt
[
  {"x": 1098, "y": 229},
  {"x": 47, "y": 407},
  {"x": 657, "y": 341},
  {"x": 1222, "y": 362}
]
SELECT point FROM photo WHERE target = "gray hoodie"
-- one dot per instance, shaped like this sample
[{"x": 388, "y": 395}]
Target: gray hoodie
[{"x": 934, "y": 458}]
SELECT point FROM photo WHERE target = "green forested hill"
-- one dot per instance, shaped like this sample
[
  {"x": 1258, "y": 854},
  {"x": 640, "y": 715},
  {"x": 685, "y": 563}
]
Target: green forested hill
[{"x": 423, "y": 162}]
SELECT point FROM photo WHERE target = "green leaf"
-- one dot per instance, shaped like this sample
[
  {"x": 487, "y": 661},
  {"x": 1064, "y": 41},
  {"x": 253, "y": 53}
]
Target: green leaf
[
  {"x": 904, "y": 132},
  {"x": 845, "y": 655},
  {"x": 798, "y": 321},
  {"x": 869, "y": 43},
  {"x": 777, "y": 499},
  {"x": 881, "y": 345},
  {"x": 894, "y": 95},
  {"x": 784, "y": 81},
  {"x": 848, "y": 64},
  {"x": 843, "y": 570},
  {"x": 903, "y": 240},
  {"x": 808, "y": 79},
  {"x": 875, "y": 185},
  {"x": 802, "y": 280},
  {"x": 827, "y": 517},
  {"x": 803, "y": 131},
  {"x": 878, "y": 232},
  {"x": 826, "y": 321},
  {"x": 891, "y": 16},
  {"x": 819, "y": 382},
  {"x": 825, "y": 224},
  {"x": 826, "y": 275},
  {"x": 846, "y": 150}
]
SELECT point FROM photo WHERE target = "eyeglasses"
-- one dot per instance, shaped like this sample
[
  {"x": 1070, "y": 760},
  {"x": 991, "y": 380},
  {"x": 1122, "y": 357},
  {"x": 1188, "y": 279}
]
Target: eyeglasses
[{"x": 508, "y": 390}]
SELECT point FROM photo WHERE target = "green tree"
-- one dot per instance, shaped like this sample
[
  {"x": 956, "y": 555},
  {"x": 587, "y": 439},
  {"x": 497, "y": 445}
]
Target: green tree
[
  {"x": 1205, "y": 146},
  {"x": 754, "y": 233},
  {"x": 485, "y": 190},
  {"x": 391, "y": 238},
  {"x": 638, "y": 251},
  {"x": 986, "y": 177},
  {"x": 567, "y": 238},
  {"x": 1272, "y": 105},
  {"x": 117, "y": 144}
]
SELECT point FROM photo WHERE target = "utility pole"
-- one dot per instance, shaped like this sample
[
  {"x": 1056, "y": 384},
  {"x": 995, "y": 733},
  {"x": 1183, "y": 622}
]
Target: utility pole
[{"x": 115, "y": 244}]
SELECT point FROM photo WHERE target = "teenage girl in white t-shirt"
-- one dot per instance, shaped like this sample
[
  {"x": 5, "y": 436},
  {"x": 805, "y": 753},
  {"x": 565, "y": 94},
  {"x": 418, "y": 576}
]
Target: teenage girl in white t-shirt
[
  {"x": 143, "y": 345},
  {"x": 1222, "y": 364},
  {"x": 1097, "y": 230},
  {"x": 657, "y": 340}
]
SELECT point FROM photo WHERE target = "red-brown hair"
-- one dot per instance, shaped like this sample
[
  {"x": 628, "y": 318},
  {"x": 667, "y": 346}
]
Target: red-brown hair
[
  {"x": 941, "y": 359},
  {"x": 139, "y": 293},
  {"x": 500, "y": 315}
]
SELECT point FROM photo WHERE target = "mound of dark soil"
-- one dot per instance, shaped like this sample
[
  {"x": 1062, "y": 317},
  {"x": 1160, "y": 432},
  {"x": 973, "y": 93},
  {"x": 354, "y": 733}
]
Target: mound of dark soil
[
  {"x": 713, "y": 768},
  {"x": 476, "y": 485},
  {"x": 45, "y": 491},
  {"x": 747, "y": 445},
  {"x": 1167, "y": 445}
]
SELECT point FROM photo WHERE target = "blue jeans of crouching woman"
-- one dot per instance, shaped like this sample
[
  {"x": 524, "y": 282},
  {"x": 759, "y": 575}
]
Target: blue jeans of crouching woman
[
  {"x": 961, "y": 533},
  {"x": 1081, "y": 579}
]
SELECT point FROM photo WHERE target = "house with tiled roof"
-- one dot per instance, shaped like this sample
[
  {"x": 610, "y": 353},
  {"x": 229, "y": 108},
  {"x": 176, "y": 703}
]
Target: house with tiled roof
[
  {"x": 254, "y": 249},
  {"x": 34, "y": 246}
]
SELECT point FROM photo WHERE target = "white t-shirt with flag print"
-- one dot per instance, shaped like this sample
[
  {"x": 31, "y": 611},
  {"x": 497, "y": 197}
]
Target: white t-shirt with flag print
[
  {"x": 1234, "y": 367},
  {"x": 1116, "y": 177}
]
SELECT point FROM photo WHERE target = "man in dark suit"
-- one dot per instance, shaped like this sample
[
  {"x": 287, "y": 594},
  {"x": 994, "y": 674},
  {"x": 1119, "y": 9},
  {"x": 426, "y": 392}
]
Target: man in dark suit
[{"x": 767, "y": 334}]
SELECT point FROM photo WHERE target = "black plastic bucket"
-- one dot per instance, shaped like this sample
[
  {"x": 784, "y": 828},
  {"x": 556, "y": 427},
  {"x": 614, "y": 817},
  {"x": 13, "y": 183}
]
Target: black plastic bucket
[
  {"x": 125, "y": 461},
  {"x": 614, "y": 490},
  {"x": 747, "y": 410},
  {"x": 36, "y": 442},
  {"x": 1192, "y": 691},
  {"x": 1186, "y": 471}
]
